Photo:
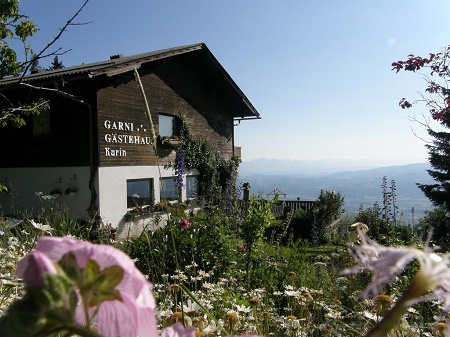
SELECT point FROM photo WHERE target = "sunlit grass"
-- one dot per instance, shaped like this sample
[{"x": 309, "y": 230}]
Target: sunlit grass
[{"x": 200, "y": 279}]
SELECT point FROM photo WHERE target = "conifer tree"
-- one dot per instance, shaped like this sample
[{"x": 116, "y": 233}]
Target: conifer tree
[
  {"x": 439, "y": 158},
  {"x": 56, "y": 64},
  {"x": 435, "y": 70}
]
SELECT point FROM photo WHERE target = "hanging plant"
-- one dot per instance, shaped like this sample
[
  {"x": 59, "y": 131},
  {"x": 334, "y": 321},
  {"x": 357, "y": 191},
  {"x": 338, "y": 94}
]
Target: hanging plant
[{"x": 217, "y": 181}]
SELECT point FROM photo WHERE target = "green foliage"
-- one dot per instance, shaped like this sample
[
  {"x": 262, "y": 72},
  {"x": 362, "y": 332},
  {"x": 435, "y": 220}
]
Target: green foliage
[
  {"x": 258, "y": 218},
  {"x": 326, "y": 210},
  {"x": 438, "y": 221},
  {"x": 15, "y": 116},
  {"x": 217, "y": 182},
  {"x": 56, "y": 64},
  {"x": 439, "y": 158},
  {"x": 302, "y": 224},
  {"x": 207, "y": 243},
  {"x": 16, "y": 26},
  {"x": 13, "y": 25},
  {"x": 434, "y": 71},
  {"x": 378, "y": 227}
]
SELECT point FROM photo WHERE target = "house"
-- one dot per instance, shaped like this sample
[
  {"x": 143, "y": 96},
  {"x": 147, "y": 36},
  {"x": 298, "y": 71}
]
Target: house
[{"x": 95, "y": 149}]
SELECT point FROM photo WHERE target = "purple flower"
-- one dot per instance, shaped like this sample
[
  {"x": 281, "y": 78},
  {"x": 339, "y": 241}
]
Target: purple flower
[
  {"x": 33, "y": 267},
  {"x": 135, "y": 314},
  {"x": 179, "y": 168}
]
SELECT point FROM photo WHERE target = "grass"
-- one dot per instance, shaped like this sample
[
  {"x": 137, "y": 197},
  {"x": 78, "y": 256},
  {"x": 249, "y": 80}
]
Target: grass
[{"x": 200, "y": 275}]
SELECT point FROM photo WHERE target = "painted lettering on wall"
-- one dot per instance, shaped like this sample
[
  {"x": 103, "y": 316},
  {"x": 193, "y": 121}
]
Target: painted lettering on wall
[{"x": 120, "y": 133}]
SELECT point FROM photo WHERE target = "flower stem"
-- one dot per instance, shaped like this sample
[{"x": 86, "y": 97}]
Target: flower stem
[{"x": 416, "y": 289}]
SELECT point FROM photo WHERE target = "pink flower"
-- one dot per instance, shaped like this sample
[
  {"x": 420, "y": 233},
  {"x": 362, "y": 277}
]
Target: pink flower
[
  {"x": 177, "y": 330},
  {"x": 135, "y": 314},
  {"x": 242, "y": 248},
  {"x": 184, "y": 223},
  {"x": 33, "y": 267}
]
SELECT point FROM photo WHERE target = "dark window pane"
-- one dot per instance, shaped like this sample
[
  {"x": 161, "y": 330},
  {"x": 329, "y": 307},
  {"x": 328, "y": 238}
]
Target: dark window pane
[{"x": 139, "y": 192}]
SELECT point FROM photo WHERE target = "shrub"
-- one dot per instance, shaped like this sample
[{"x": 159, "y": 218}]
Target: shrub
[{"x": 206, "y": 243}]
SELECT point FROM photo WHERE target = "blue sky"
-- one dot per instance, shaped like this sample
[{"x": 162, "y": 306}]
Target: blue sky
[{"x": 318, "y": 72}]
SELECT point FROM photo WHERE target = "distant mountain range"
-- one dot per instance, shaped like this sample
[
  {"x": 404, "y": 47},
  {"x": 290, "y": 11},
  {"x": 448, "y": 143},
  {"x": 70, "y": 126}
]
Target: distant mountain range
[{"x": 305, "y": 180}]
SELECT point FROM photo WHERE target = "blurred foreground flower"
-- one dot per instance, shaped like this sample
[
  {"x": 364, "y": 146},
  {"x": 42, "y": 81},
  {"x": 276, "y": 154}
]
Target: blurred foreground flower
[
  {"x": 431, "y": 282},
  {"x": 133, "y": 314},
  {"x": 33, "y": 267},
  {"x": 73, "y": 286}
]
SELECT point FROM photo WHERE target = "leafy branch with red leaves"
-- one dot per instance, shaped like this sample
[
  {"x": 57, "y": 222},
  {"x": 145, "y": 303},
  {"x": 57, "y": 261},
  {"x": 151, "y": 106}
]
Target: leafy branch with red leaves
[{"x": 436, "y": 72}]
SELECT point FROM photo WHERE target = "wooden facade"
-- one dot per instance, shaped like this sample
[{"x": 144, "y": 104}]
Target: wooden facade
[{"x": 97, "y": 117}]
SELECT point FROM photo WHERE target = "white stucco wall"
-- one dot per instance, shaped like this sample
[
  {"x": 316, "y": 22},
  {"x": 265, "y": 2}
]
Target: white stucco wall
[
  {"x": 25, "y": 182},
  {"x": 110, "y": 183},
  {"x": 112, "y": 194}
]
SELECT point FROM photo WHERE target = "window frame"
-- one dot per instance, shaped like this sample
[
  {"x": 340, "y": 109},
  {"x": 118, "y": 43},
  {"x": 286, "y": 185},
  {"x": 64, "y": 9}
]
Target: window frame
[
  {"x": 147, "y": 200},
  {"x": 175, "y": 126},
  {"x": 191, "y": 191},
  {"x": 163, "y": 190}
]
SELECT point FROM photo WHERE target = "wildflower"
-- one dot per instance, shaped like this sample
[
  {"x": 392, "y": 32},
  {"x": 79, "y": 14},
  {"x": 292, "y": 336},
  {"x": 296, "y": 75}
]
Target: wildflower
[
  {"x": 191, "y": 306},
  {"x": 33, "y": 267},
  {"x": 431, "y": 282},
  {"x": 387, "y": 262},
  {"x": 254, "y": 301},
  {"x": 382, "y": 303},
  {"x": 44, "y": 228},
  {"x": 184, "y": 223},
  {"x": 231, "y": 319},
  {"x": 292, "y": 274},
  {"x": 174, "y": 288},
  {"x": 177, "y": 317},
  {"x": 292, "y": 293},
  {"x": 135, "y": 314},
  {"x": 243, "y": 308},
  {"x": 179, "y": 168},
  {"x": 177, "y": 330},
  {"x": 292, "y": 322},
  {"x": 200, "y": 322},
  {"x": 244, "y": 335},
  {"x": 439, "y": 329},
  {"x": 242, "y": 248},
  {"x": 353, "y": 236},
  {"x": 333, "y": 314}
]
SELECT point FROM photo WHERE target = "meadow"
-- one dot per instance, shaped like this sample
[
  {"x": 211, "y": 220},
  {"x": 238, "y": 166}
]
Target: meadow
[{"x": 230, "y": 272}]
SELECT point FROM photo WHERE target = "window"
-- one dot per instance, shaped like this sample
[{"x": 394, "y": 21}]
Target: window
[
  {"x": 191, "y": 186},
  {"x": 168, "y": 189},
  {"x": 139, "y": 192},
  {"x": 168, "y": 126}
]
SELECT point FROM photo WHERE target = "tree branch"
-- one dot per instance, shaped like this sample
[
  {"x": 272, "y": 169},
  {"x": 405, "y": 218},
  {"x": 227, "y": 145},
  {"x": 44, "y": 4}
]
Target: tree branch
[{"x": 56, "y": 38}]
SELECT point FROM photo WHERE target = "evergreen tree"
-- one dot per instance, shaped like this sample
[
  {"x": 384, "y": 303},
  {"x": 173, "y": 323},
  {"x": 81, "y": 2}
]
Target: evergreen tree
[
  {"x": 56, "y": 64},
  {"x": 436, "y": 73},
  {"x": 439, "y": 158}
]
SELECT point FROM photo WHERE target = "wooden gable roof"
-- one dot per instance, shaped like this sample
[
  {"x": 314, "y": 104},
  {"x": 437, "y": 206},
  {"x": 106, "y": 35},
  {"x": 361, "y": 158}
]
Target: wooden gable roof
[{"x": 197, "y": 55}]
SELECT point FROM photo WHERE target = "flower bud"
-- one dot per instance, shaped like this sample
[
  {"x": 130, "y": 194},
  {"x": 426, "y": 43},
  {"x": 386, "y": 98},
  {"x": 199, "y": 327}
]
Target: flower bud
[{"x": 33, "y": 267}]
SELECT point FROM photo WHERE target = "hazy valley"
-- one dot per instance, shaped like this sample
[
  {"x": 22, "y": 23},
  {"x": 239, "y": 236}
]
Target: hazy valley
[{"x": 305, "y": 179}]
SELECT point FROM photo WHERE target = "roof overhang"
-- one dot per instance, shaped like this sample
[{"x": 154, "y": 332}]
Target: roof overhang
[{"x": 122, "y": 64}]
